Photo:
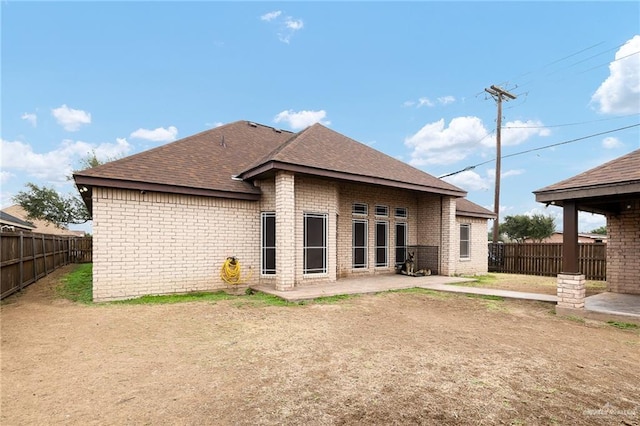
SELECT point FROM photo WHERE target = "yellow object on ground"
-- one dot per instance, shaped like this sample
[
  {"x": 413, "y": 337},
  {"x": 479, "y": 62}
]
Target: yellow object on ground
[{"x": 230, "y": 272}]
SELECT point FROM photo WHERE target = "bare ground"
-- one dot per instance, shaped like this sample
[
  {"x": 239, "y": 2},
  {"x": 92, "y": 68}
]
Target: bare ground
[
  {"x": 392, "y": 358},
  {"x": 532, "y": 284}
]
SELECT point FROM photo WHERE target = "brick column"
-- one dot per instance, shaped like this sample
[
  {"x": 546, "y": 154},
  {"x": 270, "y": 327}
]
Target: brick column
[
  {"x": 571, "y": 292},
  {"x": 285, "y": 231},
  {"x": 449, "y": 251}
]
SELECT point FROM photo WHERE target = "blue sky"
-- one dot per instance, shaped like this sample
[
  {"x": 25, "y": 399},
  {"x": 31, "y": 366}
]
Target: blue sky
[{"x": 406, "y": 78}]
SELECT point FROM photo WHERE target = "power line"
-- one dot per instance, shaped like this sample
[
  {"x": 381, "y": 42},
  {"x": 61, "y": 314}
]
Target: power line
[
  {"x": 569, "y": 124},
  {"x": 539, "y": 149}
]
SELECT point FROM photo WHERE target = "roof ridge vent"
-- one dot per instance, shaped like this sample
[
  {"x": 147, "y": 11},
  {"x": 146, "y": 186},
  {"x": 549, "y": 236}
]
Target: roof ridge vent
[
  {"x": 277, "y": 130},
  {"x": 252, "y": 124}
]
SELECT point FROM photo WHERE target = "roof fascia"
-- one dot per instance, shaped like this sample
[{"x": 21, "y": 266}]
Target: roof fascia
[
  {"x": 156, "y": 187},
  {"x": 587, "y": 192},
  {"x": 277, "y": 165}
]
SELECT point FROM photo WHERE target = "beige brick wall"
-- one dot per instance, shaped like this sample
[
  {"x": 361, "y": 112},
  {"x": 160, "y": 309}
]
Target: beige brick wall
[
  {"x": 623, "y": 250},
  {"x": 477, "y": 262},
  {"x": 315, "y": 196},
  {"x": 372, "y": 196},
  {"x": 158, "y": 243}
]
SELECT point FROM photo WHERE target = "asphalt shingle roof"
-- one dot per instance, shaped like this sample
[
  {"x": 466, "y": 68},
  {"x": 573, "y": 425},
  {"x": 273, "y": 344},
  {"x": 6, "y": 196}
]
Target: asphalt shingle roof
[
  {"x": 209, "y": 160},
  {"x": 625, "y": 169},
  {"x": 465, "y": 207},
  {"x": 320, "y": 148}
]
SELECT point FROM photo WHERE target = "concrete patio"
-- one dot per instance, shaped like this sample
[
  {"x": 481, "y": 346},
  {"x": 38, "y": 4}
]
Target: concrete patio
[
  {"x": 602, "y": 307},
  {"x": 380, "y": 283}
]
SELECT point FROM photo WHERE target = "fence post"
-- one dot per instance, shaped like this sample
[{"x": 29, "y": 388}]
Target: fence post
[{"x": 21, "y": 259}]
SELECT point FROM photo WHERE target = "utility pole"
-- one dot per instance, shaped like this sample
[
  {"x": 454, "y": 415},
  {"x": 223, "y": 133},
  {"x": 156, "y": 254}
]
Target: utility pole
[{"x": 498, "y": 94}]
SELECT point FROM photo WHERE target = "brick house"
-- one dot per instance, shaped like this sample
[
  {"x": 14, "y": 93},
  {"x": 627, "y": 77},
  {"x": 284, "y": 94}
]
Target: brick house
[
  {"x": 295, "y": 209},
  {"x": 612, "y": 189}
]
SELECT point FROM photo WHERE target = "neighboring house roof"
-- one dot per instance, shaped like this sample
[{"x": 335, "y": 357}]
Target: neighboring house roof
[
  {"x": 215, "y": 162},
  {"x": 465, "y": 207},
  {"x": 10, "y": 221},
  {"x": 40, "y": 226},
  {"x": 599, "y": 190}
]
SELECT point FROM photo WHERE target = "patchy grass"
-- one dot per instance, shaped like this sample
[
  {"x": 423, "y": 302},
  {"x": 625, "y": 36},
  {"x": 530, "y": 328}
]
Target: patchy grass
[
  {"x": 176, "y": 298},
  {"x": 77, "y": 286},
  {"x": 419, "y": 290},
  {"x": 623, "y": 325},
  {"x": 526, "y": 283}
]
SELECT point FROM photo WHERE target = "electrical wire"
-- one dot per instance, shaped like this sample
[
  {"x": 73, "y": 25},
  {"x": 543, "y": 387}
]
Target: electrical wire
[{"x": 538, "y": 149}]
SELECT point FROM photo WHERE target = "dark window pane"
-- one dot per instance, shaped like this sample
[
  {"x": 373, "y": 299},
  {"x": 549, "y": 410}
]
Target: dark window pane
[{"x": 315, "y": 231}]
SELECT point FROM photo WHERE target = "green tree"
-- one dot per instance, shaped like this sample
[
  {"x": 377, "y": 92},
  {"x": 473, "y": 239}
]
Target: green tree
[
  {"x": 600, "y": 231},
  {"x": 523, "y": 227},
  {"x": 47, "y": 204}
]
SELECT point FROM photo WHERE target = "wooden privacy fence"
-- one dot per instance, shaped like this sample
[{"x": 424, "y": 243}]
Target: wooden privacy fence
[
  {"x": 546, "y": 259},
  {"x": 26, "y": 257}
]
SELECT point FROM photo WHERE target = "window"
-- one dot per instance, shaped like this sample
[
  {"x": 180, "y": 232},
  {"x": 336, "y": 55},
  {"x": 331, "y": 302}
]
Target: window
[
  {"x": 360, "y": 243},
  {"x": 401, "y": 212},
  {"x": 315, "y": 243},
  {"x": 268, "y": 233},
  {"x": 360, "y": 209},
  {"x": 401, "y": 243},
  {"x": 382, "y": 243},
  {"x": 382, "y": 211},
  {"x": 465, "y": 241}
]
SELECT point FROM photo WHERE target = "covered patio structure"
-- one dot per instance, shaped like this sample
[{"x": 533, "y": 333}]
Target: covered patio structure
[{"x": 613, "y": 190}]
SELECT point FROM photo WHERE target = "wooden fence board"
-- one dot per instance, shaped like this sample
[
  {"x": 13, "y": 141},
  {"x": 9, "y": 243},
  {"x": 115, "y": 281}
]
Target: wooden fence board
[
  {"x": 546, "y": 259},
  {"x": 26, "y": 257}
]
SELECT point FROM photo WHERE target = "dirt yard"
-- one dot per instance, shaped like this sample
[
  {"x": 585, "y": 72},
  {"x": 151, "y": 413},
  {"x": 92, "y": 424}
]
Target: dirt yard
[{"x": 392, "y": 358}]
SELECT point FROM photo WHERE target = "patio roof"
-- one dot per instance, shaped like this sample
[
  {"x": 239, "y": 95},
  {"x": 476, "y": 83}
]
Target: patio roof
[{"x": 603, "y": 189}]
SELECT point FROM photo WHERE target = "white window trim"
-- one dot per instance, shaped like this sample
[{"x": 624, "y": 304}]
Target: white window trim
[
  {"x": 325, "y": 225},
  {"x": 406, "y": 213},
  {"x": 468, "y": 241},
  {"x": 365, "y": 265},
  {"x": 264, "y": 215},
  {"x": 381, "y": 206},
  {"x": 366, "y": 209},
  {"x": 386, "y": 246}
]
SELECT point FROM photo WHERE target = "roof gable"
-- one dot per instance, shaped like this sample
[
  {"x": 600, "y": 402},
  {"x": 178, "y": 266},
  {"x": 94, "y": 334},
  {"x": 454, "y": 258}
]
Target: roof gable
[
  {"x": 620, "y": 171},
  {"x": 206, "y": 161},
  {"x": 468, "y": 208},
  {"x": 321, "y": 151}
]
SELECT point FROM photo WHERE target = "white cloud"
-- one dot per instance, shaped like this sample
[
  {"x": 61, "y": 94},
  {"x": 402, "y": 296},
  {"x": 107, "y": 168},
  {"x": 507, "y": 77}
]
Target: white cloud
[
  {"x": 156, "y": 135},
  {"x": 424, "y": 102},
  {"x": 287, "y": 25},
  {"x": 611, "y": 143},
  {"x": 55, "y": 166},
  {"x": 71, "y": 119},
  {"x": 469, "y": 181},
  {"x": 31, "y": 118},
  {"x": 620, "y": 92},
  {"x": 302, "y": 119},
  {"x": 436, "y": 144},
  {"x": 5, "y": 176},
  {"x": 514, "y": 172},
  {"x": 214, "y": 124},
  {"x": 472, "y": 181},
  {"x": 294, "y": 24},
  {"x": 517, "y": 132},
  {"x": 446, "y": 100},
  {"x": 270, "y": 16}
]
